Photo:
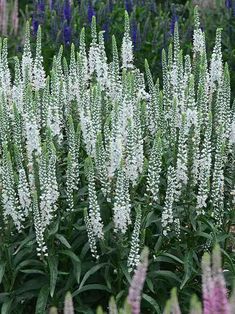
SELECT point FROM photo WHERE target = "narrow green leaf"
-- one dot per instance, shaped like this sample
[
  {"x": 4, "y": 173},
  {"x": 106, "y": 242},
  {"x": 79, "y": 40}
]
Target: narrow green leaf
[
  {"x": 6, "y": 307},
  {"x": 2, "y": 271},
  {"x": 152, "y": 302},
  {"x": 90, "y": 272},
  {"x": 91, "y": 287},
  {"x": 173, "y": 257},
  {"x": 62, "y": 239},
  {"x": 32, "y": 271},
  {"x": 53, "y": 266},
  {"x": 72, "y": 255},
  {"x": 42, "y": 300}
]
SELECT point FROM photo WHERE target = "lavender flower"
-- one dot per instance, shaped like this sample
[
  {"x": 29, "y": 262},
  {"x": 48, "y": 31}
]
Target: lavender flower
[
  {"x": 137, "y": 283},
  {"x": 35, "y": 26},
  {"x": 174, "y": 20},
  {"x": 105, "y": 28},
  {"x": 221, "y": 302},
  {"x": 41, "y": 6},
  {"x": 215, "y": 300},
  {"x": 67, "y": 11},
  {"x": 15, "y": 17},
  {"x": 90, "y": 12},
  {"x": 67, "y": 34},
  {"x": 52, "y": 4},
  {"x": 135, "y": 34},
  {"x": 228, "y": 4},
  {"x": 110, "y": 5},
  {"x": 3, "y": 17},
  {"x": 128, "y": 6},
  {"x": 207, "y": 285}
]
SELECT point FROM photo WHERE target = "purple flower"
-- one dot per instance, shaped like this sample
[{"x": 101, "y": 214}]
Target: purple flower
[
  {"x": 52, "y": 4},
  {"x": 67, "y": 34},
  {"x": 135, "y": 34},
  {"x": 137, "y": 283},
  {"x": 174, "y": 20},
  {"x": 41, "y": 6},
  {"x": 215, "y": 300},
  {"x": 228, "y": 4},
  {"x": 110, "y": 5},
  {"x": 67, "y": 11},
  {"x": 35, "y": 25},
  {"x": 90, "y": 12},
  {"x": 105, "y": 28},
  {"x": 128, "y": 6}
]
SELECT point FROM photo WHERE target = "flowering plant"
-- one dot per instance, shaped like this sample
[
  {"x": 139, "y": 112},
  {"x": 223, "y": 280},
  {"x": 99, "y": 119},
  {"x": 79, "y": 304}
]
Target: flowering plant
[{"x": 98, "y": 160}]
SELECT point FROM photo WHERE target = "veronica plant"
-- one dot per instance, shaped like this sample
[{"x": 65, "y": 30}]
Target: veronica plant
[{"x": 92, "y": 152}]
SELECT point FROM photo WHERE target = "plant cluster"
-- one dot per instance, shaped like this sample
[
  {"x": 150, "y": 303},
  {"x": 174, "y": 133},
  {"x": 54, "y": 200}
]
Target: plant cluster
[
  {"x": 98, "y": 160},
  {"x": 214, "y": 292}
]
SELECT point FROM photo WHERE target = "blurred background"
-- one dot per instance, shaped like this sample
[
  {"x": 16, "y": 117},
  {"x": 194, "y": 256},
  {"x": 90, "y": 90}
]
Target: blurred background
[{"x": 152, "y": 25}]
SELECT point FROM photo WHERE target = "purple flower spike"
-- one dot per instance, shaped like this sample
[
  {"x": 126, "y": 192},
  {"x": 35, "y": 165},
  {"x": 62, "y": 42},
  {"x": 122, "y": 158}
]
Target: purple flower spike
[
  {"x": 41, "y": 6},
  {"x": 215, "y": 300},
  {"x": 137, "y": 283},
  {"x": 221, "y": 302},
  {"x": 52, "y": 4},
  {"x": 135, "y": 35},
  {"x": 67, "y": 34},
  {"x": 128, "y": 6},
  {"x": 228, "y": 4},
  {"x": 67, "y": 11},
  {"x": 90, "y": 12},
  {"x": 174, "y": 20},
  {"x": 110, "y": 6},
  {"x": 105, "y": 28},
  {"x": 35, "y": 26}
]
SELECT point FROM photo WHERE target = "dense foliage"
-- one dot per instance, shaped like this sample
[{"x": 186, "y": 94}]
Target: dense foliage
[
  {"x": 215, "y": 297},
  {"x": 99, "y": 159}
]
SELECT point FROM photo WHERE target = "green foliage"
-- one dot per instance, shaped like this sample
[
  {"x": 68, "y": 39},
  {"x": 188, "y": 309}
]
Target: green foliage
[{"x": 44, "y": 135}]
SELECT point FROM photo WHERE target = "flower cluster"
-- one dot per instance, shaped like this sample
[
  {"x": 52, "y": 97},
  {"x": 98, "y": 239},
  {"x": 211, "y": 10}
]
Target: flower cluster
[{"x": 172, "y": 139}]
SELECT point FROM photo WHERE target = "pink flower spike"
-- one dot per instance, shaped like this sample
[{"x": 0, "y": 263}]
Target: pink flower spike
[
  {"x": 137, "y": 283},
  {"x": 221, "y": 302},
  {"x": 15, "y": 17},
  {"x": 207, "y": 285}
]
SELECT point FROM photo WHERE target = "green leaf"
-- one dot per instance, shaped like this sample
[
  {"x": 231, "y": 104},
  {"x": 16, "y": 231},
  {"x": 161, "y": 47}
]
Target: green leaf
[
  {"x": 72, "y": 255},
  {"x": 91, "y": 287},
  {"x": 54, "y": 228},
  {"x": 150, "y": 284},
  {"x": 42, "y": 300},
  {"x": 32, "y": 271},
  {"x": 76, "y": 263},
  {"x": 188, "y": 268},
  {"x": 229, "y": 259},
  {"x": 62, "y": 239},
  {"x": 152, "y": 302},
  {"x": 53, "y": 266},
  {"x": 90, "y": 272},
  {"x": 166, "y": 274},
  {"x": 173, "y": 257},
  {"x": 2, "y": 271},
  {"x": 6, "y": 307},
  {"x": 24, "y": 242},
  {"x": 4, "y": 296},
  {"x": 126, "y": 273}
]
